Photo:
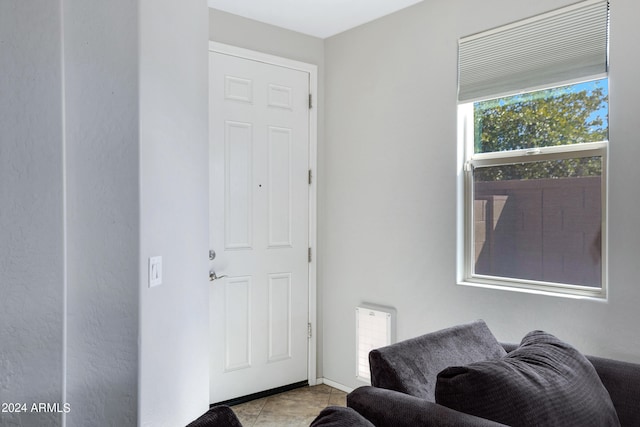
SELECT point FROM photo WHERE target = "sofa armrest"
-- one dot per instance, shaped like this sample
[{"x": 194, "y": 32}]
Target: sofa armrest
[
  {"x": 388, "y": 408},
  {"x": 622, "y": 381}
]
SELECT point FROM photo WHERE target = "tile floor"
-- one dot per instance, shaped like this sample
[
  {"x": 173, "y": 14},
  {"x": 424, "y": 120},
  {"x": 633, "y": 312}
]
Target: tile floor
[{"x": 295, "y": 408}]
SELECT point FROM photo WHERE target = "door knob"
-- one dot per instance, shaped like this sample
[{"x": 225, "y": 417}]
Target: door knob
[{"x": 213, "y": 276}]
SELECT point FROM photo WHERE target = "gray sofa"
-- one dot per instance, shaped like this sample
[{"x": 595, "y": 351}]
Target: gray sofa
[
  {"x": 405, "y": 374},
  {"x": 217, "y": 416}
]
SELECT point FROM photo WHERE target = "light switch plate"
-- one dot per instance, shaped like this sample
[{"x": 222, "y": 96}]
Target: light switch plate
[{"x": 155, "y": 271}]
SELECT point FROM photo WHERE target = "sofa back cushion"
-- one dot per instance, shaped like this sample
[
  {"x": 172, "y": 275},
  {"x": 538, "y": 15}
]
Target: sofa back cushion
[
  {"x": 544, "y": 382},
  {"x": 412, "y": 366}
]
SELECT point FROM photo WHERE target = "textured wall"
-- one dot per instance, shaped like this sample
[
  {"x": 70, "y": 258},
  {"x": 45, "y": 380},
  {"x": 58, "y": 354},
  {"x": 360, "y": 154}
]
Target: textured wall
[
  {"x": 31, "y": 209},
  {"x": 390, "y": 177},
  {"x": 70, "y": 143},
  {"x": 101, "y": 96}
]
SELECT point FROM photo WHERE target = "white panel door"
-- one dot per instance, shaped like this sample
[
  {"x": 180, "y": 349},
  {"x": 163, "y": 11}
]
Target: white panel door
[{"x": 259, "y": 207}]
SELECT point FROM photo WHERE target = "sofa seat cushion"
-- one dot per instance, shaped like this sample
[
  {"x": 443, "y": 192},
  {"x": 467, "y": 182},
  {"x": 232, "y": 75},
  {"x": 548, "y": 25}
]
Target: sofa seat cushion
[
  {"x": 412, "y": 366},
  {"x": 543, "y": 382}
]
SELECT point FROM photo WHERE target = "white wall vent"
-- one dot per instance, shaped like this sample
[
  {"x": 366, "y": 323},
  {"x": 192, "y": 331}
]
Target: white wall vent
[{"x": 374, "y": 328}]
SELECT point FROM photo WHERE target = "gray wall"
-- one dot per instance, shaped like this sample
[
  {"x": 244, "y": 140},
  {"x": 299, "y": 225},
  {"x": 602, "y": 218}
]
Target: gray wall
[
  {"x": 101, "y": 123},
  {"x": 391, "y": 134},
  {"x": 246, "y": 33},
  {"x": 90, "y": 101},
  {"x": 69, "y": 210},
  {"x": 174, "y": 206},
  {"x": 31, "y": 209}
]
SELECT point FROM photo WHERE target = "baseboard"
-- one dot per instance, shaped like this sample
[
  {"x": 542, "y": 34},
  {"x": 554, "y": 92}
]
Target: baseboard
[{"x": 334, "y": 384}]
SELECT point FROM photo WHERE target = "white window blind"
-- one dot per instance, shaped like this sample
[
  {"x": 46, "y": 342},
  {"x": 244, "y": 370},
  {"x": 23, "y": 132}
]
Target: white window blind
[{"x": 563, "y": 45}]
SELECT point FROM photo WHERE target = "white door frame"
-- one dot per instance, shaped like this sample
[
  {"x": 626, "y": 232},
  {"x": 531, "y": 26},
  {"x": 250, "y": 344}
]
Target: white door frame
[{"x": 313, "y": 156}]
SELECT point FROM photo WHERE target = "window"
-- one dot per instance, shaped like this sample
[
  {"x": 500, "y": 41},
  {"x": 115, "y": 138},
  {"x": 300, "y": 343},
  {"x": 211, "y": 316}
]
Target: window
[{"x": 533, "y": 162}]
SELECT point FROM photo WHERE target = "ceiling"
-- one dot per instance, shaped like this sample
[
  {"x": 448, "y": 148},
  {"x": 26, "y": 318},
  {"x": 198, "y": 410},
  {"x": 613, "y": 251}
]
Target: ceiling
[{"x": 319, "y": 18}]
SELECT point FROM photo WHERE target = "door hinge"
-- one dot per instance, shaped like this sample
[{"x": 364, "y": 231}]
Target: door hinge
[
  {"x": 309, "y": 255},
  {"x": 310, "y": 176},
  {"x": 309, "y": 331},
  {"x": 310, "y": 101}
]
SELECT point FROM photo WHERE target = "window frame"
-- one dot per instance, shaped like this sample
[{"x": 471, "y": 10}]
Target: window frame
[{"x": 468, "y": 160}]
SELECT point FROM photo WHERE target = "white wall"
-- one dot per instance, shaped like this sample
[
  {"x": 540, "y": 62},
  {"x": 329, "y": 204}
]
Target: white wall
[
  {"x": 238, "y": 31},
  {"x": 31, "y": 209},
  {"x": 390, "y": 186},
  {"x": 249, "y": 34},
  {"x": 103, "y": 119},
  {"x": 174, "y": 205}
]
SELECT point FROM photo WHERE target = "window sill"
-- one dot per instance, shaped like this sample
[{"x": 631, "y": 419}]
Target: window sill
[{"x": 581, "y": 293}]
